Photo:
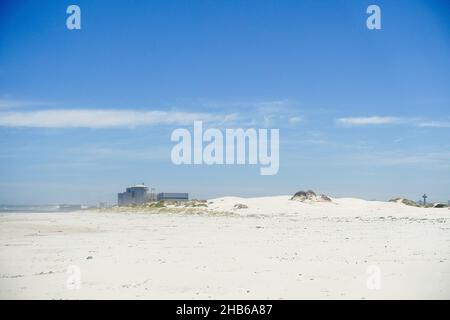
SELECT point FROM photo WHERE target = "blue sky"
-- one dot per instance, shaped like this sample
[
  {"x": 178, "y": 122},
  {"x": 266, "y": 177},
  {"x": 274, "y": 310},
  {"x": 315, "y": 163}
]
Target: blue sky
[{"x": 84, "y": 113}]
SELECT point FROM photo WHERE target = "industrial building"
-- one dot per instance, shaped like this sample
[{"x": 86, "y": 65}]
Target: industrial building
[
  {"x": 133, "y": 195},
  {"x": 138, "y": 194},
  {"x": 173, "y": 196}
]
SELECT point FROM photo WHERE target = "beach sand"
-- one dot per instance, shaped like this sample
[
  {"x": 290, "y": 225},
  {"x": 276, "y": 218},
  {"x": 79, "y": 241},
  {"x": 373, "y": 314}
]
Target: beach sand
[{"x": 275, "y": 249}]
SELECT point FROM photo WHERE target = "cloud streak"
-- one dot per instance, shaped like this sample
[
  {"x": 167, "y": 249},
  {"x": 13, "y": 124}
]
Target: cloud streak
[
  {"x": 377, "y": 120},
  {"x": 295, "y": 120},
  {"x": 434, "y": 124},
  {"x": 11, "y": 104},
  {"x": 364, "y": 121},
  {"x": 98, "y": 118}
]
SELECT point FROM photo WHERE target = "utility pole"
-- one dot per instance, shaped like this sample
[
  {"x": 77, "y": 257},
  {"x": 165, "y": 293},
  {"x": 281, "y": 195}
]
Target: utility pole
[{"x": 424, "y": 199}]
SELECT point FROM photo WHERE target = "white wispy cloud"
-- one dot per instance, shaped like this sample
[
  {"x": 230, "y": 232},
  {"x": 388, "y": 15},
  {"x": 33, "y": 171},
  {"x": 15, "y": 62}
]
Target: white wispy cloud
[
  {"x": 266, "y": 105},
  {"x": 295, "y": 120},
  {"x": 277, "y": 113},
  {"x": 436, "y": 159},
  {"x": 93, "y": 154},
  {"x": 267, "y": 113},
  {"x": 384, "y": 120},
  {"x": 364, "y": 121},
  {"x": 6, "y": 103},
  {"x": 246, "y": 113},
  {"x": 98, "y": 118},
  {"x": 435, "y": 124}
]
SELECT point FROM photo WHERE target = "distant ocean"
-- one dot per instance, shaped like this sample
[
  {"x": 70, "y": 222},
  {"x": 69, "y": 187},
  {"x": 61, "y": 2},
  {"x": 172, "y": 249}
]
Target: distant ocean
[{"x": 37, "y": 208}]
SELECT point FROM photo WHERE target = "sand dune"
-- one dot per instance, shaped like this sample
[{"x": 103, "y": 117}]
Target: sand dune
[
  {"x": 271, "y": 247},
  {"x": 342, "y": 207}
]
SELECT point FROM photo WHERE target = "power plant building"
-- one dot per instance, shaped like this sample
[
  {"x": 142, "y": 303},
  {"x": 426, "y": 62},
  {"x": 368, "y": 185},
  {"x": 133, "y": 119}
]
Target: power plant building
[
  {"x": 138, "y": 194},
  {"x": 133, "y": 195},
  {"x": 180, "y": 196}
]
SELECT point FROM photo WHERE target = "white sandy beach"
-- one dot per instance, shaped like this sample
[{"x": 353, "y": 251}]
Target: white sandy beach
[{"x": 274, "y": 249}]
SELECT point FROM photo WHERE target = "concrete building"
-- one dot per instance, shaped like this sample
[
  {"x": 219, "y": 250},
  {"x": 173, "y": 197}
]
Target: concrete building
[
  {"x": 133, "y": 195},
  {"x": 181, "y": 196},
  {"x": 139, "y": 194}
]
